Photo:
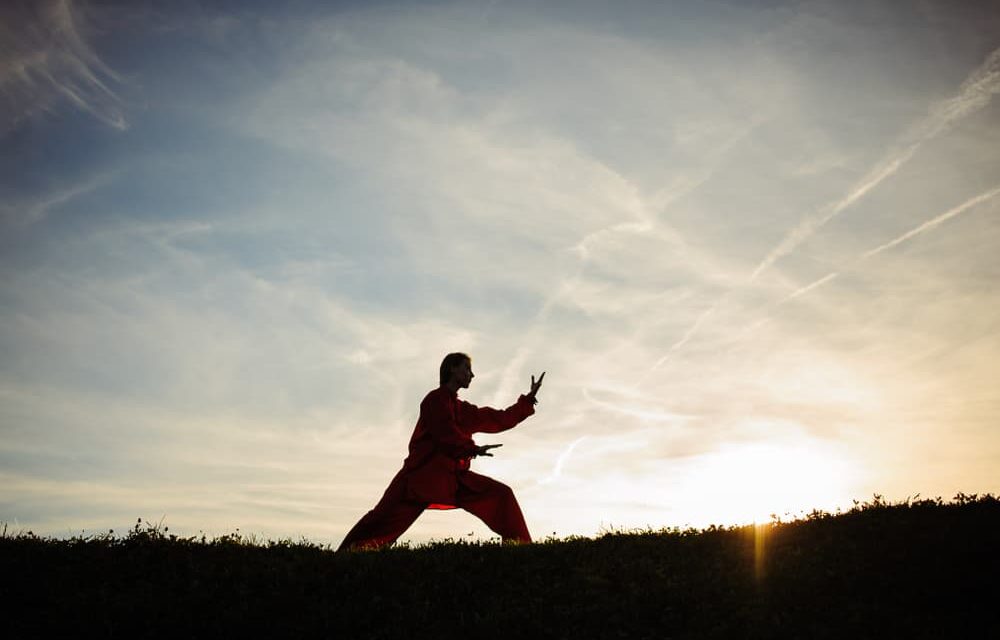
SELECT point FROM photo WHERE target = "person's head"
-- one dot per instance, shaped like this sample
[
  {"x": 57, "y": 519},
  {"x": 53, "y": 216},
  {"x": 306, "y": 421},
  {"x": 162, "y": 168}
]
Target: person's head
[{"x": 457, "y": 367}]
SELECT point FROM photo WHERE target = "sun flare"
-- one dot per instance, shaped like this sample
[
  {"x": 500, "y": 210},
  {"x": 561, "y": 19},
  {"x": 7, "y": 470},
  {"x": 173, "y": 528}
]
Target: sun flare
[{"x": 751, "y": 482}]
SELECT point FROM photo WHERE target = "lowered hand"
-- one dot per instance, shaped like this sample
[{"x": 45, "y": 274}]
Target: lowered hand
[{"x": 485, "y": 450}]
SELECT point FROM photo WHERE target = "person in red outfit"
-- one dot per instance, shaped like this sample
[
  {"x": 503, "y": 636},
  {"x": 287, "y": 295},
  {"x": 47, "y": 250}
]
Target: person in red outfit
[{"x": 436, "y": 474}]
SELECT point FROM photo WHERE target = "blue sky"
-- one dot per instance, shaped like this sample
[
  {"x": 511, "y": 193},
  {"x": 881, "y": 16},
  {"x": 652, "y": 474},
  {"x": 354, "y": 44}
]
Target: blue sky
[{"x": 752, "y": 244}]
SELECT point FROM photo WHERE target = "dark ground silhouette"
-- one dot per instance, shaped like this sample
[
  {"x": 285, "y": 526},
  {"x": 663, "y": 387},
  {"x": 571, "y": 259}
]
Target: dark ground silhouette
[{"x": 924, "y": 569}]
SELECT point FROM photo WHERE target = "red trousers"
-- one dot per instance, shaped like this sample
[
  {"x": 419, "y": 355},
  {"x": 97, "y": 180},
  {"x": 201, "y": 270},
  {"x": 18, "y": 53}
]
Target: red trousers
[{"x": 491, "y": 501}]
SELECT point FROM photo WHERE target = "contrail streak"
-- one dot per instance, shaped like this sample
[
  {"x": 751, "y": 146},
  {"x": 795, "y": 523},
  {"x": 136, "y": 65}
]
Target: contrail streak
[
  {"x": 644, "y": 413},
  {"x": 930, "y": 224},
  {"x": 687, "y": 336},
  {"x": 809, "y": 287},
  {"x": 34, "y": 212},
  {"x": 561, "y": 461},
  {"x": 975, "y": 93},
  {"x": 678, "y": 344}
]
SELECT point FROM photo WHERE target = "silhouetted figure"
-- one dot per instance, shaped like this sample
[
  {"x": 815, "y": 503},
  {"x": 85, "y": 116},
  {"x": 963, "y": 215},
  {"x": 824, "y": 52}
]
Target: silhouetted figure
[{"x": 436, "y": 475}]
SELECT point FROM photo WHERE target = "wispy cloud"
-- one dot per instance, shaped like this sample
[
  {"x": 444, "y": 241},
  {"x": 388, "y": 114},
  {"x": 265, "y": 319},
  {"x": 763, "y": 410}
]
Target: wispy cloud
[
  {"x": 635, "y": 408},
  {"x": 27, "y": 213},
  {"x": 46, "y": 57}
]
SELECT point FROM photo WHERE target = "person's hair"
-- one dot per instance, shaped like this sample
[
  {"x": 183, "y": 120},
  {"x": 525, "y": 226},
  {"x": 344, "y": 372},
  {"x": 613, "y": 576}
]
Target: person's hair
[{"x": 451, "y": 361}]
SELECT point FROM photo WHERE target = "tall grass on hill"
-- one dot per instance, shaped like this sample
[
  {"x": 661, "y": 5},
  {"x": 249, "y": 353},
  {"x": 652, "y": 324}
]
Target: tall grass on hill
[{"x": 914, "y": 569}]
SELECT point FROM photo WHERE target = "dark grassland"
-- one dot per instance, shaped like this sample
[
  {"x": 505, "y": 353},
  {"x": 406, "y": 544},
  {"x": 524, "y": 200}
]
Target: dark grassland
[{"x": 920, "y": 568}]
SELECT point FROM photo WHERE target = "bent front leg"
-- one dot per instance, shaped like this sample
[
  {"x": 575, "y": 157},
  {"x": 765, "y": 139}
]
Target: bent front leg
[{"x": 494, "y": 503}]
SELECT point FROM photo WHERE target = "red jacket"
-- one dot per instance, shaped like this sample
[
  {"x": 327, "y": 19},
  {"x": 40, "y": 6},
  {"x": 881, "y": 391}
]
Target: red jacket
[{"x": 441, "y": 447}]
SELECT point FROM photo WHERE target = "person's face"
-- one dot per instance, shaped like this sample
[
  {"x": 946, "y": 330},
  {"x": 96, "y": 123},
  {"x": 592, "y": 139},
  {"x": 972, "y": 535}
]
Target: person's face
[{"x": 462, "y": 374}]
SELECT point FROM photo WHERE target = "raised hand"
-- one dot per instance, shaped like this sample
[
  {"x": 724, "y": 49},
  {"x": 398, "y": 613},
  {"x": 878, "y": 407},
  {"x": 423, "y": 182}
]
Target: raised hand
[{"x": 535, "y": 386}]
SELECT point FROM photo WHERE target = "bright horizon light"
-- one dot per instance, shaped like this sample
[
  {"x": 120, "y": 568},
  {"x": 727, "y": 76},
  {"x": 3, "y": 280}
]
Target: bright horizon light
[{"x": 753, "y": 483}]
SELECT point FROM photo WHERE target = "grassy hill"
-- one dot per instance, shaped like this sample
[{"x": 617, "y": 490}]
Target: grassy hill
[{"x": 923, "y": 568}]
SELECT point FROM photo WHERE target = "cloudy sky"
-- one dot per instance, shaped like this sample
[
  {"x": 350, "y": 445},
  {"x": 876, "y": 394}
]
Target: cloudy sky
[{"x": 753, "y": 244}]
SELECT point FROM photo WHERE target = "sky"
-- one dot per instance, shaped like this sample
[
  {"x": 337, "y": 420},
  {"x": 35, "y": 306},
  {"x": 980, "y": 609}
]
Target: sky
[{"x": 753, "y": 245}]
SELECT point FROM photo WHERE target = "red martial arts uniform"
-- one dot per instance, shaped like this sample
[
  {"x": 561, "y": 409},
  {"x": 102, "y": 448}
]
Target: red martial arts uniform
[{"x": 436, "y": 475}]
